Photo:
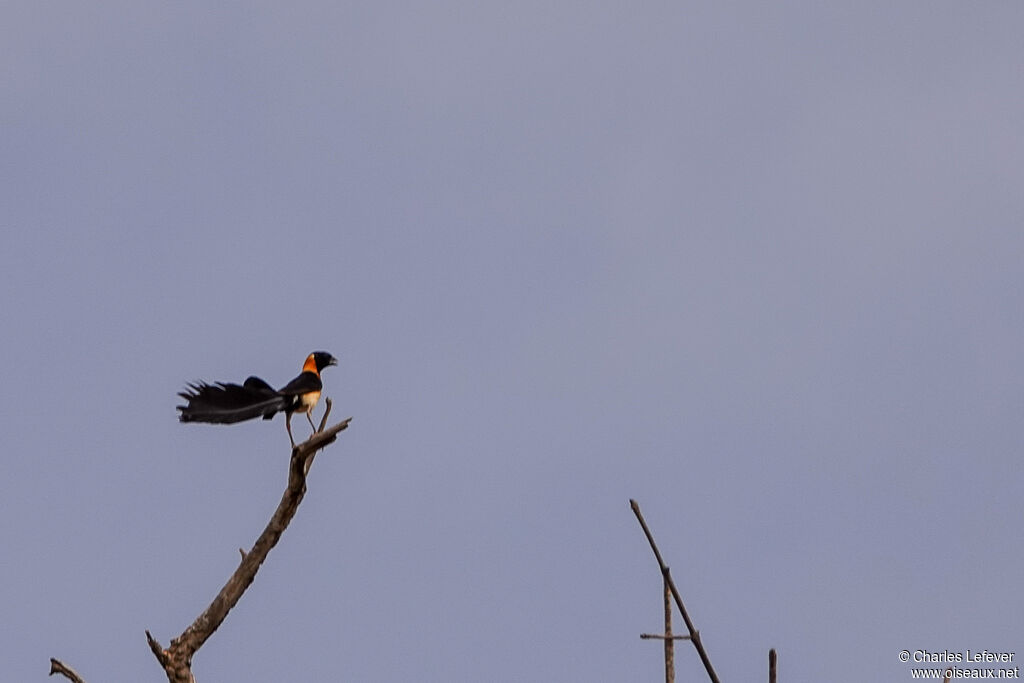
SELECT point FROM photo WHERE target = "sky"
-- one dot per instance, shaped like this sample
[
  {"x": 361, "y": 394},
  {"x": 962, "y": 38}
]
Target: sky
[{"x": 757, "y": 266}]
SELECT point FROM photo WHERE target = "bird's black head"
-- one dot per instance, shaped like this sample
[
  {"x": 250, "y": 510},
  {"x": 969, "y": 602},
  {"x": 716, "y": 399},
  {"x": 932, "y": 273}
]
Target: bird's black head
[{"x": 323, "y": 359}]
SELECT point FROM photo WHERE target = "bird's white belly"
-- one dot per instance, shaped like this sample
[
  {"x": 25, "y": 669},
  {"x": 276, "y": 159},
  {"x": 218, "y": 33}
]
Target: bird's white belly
[{"x": 307, "y": 402}]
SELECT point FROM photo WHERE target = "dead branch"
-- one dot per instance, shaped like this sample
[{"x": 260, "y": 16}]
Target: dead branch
[
  {"x": 666, "y": 573},
  {"x": 661, "y": 636},
  {"x": 176, "y": 660}
]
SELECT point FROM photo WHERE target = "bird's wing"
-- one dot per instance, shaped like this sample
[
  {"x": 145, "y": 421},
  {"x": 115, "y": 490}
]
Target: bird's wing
[{"x": 303, "y": 384}]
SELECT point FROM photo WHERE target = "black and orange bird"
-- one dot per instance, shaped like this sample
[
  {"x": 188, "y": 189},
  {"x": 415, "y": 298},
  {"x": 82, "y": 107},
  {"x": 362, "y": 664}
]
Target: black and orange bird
[{"x": 224, "y": 403}]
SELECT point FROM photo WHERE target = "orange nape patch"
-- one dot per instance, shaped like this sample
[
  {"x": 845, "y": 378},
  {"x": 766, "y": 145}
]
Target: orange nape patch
[{"x": 310, "y": 365}]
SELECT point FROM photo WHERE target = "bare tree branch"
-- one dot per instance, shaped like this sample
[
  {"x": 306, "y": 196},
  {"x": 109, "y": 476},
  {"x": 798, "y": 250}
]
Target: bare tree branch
[
  {"x": 666, "y": 573},
  {"x": 176, "y": 660},
  {"x": 59, "y": 667}
]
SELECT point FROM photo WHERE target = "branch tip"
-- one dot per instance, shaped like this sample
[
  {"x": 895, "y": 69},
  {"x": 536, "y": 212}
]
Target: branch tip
[
  {"x": 157, "y": 649},
  {"x": 59, "y": 667}
]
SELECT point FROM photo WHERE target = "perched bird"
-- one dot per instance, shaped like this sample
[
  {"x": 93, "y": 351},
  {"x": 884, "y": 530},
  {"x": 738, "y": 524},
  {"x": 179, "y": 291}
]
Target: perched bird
[{"x": 222, "y": 403}]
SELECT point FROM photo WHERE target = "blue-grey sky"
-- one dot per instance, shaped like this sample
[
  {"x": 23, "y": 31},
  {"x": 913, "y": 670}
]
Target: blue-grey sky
[{"x": 757, "y": 266}]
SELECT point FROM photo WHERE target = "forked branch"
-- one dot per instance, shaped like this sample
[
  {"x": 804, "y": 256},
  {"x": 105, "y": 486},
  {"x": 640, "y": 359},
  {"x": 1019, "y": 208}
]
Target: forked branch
[
  {"x": 667, "y": 574},
  {"x": 176, "y": 660}
]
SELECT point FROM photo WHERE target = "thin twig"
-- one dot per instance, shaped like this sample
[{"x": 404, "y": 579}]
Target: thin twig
[
  {"x": 773, "y": 661},
  {"x": 658, "y": 636},
  {"x": 323, "y": 422},
  {"x": 327, "y": 411},
  {"x": 666, "y": 573}
]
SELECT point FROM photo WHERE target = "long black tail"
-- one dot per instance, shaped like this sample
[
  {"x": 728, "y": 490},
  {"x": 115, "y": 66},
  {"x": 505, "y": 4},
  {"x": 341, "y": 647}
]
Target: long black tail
[{"x": 222, "y": 403}]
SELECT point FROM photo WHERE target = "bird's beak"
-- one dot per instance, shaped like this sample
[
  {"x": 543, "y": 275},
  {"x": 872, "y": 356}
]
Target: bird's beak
[{"x": 332, "y": 361}]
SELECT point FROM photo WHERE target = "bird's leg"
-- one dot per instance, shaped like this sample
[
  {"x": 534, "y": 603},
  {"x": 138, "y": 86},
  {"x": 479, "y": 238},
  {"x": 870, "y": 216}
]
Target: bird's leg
[
  {"x": 309, "y": 416},
  {"x": 288, "y": 426}
]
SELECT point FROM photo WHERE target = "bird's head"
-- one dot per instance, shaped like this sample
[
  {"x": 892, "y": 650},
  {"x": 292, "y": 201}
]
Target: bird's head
[{"x": 322, "y": 359}]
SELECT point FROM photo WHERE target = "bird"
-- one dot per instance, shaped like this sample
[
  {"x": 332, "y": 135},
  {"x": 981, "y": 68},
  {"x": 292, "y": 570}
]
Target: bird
[{"x": 226, "y": 403}]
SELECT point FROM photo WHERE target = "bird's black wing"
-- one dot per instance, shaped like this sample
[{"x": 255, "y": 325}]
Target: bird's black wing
[{"x": 303, "y": 384}]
